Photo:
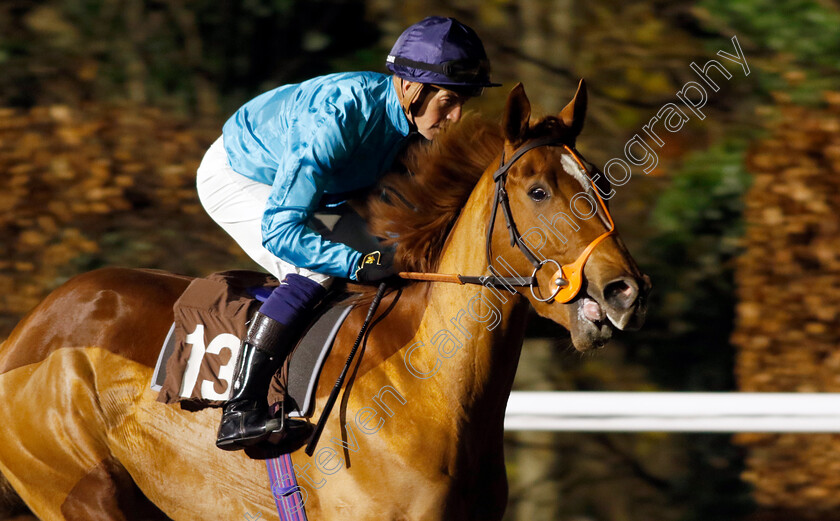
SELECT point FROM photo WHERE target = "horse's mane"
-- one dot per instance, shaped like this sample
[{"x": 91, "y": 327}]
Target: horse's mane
[{"x": 415, "y": 211}]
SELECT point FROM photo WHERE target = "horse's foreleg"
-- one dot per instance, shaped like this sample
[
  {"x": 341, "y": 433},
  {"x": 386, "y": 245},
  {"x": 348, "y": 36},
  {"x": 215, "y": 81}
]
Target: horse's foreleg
[
  {"x": 12, "y": 507},
  {"x": 107, "y": 492}
]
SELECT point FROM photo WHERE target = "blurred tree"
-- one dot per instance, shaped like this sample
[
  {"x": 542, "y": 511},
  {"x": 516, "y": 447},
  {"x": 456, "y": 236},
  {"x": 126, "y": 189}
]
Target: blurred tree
[
  {"x": 789, "y": 307},
  {"x": 697, "y": 223},
  {"x": 794, "y": 44},
  {"x": 86, "y": 188},
  {"x": 198, "y": 56}
]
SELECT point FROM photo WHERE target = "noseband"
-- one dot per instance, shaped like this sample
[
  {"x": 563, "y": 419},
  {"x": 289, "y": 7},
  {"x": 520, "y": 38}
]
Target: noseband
[{"x": 568, "y": 279}]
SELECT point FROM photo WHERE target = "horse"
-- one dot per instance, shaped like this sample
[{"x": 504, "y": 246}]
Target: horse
[{"x": 419, "y": 433}]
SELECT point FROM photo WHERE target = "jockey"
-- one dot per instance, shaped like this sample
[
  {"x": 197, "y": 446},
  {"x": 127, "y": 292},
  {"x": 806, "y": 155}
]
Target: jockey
[{"x": 287, "y": 152}]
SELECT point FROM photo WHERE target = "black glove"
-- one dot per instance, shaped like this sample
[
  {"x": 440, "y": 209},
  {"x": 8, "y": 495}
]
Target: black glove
[{"x": 375, "y": 266}]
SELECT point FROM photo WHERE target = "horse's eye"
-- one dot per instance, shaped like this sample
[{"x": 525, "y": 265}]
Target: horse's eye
[{"x": 537, "y": 194}]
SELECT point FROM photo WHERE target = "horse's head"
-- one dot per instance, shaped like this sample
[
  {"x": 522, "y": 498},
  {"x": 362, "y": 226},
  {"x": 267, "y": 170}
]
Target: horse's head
[{"x": 557, "y": 204}]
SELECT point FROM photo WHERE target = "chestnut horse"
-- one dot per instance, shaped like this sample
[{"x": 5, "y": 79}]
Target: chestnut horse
[{"x": 419, "y": 437}]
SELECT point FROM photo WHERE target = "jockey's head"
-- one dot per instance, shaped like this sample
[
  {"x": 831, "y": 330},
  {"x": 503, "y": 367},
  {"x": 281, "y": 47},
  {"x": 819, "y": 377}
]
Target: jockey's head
[{"x": 438, "y": 64}]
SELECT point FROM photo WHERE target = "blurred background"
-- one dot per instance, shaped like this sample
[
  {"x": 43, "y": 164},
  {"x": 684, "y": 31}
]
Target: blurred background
[{"x": 107, "y": 106}]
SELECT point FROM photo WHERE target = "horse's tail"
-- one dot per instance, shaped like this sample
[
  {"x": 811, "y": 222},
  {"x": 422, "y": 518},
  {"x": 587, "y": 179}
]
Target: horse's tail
[{"x": 10, "y": 502}]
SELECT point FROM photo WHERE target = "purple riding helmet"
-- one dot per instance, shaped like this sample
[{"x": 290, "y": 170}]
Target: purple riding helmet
[{"x": 442, "y": 51}]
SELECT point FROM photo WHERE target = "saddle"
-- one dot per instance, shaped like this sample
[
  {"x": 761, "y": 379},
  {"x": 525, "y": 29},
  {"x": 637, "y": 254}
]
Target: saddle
[{"x": 197, "y": 359}]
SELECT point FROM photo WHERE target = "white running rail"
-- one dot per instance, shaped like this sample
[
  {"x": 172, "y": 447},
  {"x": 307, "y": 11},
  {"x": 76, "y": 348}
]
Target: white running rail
[{"x": 673, "y": 412}]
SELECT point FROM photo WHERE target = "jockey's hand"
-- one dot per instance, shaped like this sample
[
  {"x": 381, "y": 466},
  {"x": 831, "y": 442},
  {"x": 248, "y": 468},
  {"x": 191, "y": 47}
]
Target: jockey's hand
[{"x": 376, "y": 266}]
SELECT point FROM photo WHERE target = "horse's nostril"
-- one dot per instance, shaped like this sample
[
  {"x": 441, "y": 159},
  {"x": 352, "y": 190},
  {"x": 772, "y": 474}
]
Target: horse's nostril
[{"x": 621, "y": 293}]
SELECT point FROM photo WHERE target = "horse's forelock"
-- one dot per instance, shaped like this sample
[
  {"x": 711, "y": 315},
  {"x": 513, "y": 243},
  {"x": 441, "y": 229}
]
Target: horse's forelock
[{"x": 551, "y": 126}]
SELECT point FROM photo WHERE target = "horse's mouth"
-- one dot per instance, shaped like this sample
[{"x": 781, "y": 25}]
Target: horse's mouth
[{"x": 595, "y": 328}]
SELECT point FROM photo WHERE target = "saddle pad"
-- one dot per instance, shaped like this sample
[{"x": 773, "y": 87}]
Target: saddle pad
[
  {"x": 210, "y": 320},
  {"x": 159, "y": 376},
  {"x": 303, "y": 368},
  {"x": 308, "y": 360}
]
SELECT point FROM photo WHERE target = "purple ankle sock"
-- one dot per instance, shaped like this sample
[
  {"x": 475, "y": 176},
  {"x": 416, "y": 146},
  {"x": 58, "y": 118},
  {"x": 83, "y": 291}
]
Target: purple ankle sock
[{"x": 290, "y": 300}]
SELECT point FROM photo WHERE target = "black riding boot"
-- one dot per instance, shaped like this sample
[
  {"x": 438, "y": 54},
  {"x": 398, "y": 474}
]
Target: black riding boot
[{"x": 245, "y": 418}]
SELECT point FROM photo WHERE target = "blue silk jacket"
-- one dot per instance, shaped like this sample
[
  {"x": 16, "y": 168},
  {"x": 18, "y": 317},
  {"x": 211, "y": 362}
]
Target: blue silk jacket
[{"x": 323, "y": 137}]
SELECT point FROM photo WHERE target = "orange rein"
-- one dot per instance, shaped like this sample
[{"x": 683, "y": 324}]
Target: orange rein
[{"x": 430, "y": 277}]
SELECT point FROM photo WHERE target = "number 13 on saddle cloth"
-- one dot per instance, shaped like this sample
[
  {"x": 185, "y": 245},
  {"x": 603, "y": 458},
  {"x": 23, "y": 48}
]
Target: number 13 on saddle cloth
[{"x": 210, "y": 320}]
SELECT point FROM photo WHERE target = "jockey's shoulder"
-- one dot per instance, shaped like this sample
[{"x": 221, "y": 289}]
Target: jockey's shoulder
[{"x": 345, "y": 89}]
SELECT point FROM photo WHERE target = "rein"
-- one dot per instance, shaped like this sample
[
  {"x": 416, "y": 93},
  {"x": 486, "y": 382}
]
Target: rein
[
  {"x": 567, "y": 280},
  {"x": 328, "y": 406}
]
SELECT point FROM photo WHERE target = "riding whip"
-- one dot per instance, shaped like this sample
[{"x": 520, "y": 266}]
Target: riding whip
[{"x": 316, "y": 434}]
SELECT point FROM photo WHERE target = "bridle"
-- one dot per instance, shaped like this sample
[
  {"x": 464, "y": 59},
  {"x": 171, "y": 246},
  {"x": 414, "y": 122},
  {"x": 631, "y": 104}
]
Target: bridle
[{"x": 568, "y": 279}]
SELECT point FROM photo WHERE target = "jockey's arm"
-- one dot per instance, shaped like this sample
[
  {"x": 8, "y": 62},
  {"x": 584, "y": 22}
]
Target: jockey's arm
[{"x": 297, "y": 189}]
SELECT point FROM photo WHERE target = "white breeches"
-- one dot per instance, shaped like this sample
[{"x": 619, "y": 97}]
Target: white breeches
[{"x": 237, "y": 204}]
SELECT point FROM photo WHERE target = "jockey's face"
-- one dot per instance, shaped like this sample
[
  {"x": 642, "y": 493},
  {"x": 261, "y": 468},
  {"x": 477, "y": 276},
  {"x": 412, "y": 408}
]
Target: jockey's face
[{"x": 439, "y": 107}]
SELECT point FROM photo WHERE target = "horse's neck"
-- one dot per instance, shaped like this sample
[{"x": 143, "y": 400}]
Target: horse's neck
[{"x": 485, "y": 326}]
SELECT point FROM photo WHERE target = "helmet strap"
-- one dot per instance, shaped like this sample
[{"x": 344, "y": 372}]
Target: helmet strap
[{"x": 409, "y": 97}]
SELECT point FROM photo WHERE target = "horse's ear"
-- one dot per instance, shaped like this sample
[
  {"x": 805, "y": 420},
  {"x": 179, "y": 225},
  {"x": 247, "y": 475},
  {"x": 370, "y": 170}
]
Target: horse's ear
[
  {"x": 574, "y": 113},
  {"x": 517, "y": 114}
]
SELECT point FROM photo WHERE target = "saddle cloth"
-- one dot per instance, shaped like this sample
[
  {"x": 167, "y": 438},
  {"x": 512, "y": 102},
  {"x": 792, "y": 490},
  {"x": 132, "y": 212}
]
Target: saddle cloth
[{"x": 196, "y": 363}]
